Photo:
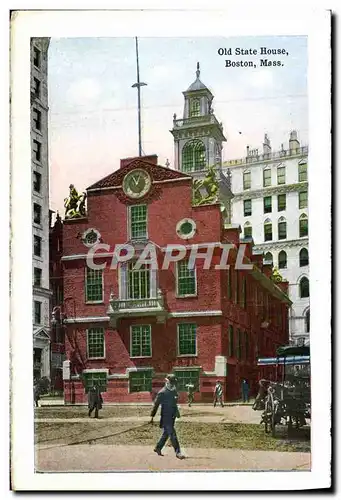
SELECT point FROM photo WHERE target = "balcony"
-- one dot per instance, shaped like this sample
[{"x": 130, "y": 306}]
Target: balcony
[
  {"x": 136, "y": 308},
  {"x": 195, "y": 120}
]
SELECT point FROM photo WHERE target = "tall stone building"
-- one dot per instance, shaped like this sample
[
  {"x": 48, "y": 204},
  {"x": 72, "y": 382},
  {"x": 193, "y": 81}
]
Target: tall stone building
[
  {"x": 271, "y": 204},
  {"x": 40, "y": 206}
]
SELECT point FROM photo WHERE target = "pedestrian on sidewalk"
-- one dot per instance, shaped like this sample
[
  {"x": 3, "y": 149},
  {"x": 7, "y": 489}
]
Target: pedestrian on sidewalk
[
  {"x": 218, "y": 394},
  {"x": 190, "y": 395},
  {"x": 168, "y": 399},
  {"x": 245, "y": 390},
  {"x": 36, "y": 393},
  {"x": 95, "y": 400}
]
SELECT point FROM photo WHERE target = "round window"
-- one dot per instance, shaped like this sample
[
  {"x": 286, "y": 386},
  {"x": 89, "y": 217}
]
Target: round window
[
  {"x": 186, "y": 228},
  {"x": 91, "y": 237}
]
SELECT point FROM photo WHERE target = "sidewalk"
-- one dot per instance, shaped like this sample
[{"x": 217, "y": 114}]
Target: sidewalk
[{"x": 89, "y": 458}]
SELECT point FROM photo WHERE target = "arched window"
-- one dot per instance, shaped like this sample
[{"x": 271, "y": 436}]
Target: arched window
[
  {"x": 246, "y": 179},
  {"x": 282, "y": 228},
  {"x": 247, "y": 230},
  {"x": 268, "y": 258},
  {"x": 282, "y": 260},
  {"x": 193, "y": 156},
  {"x": 267, "y": 230},
  {"x": 304, "y": 288},
  {"x": 304, "y": 257},
  {"x": 307, "y": 321},
  {"x": 303, "y": 225},
  {"x": 194, "y": 107}
]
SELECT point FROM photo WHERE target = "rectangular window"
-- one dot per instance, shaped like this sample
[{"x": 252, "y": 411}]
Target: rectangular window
[
  {"x": 37, "y": 276},
  {"x": 229, "y": 282},
  {"x": 36, "y": 57},
  {"x": 303, "y": 199},
  {"x": 187, "y": 339},
  {"x": 267, "y": 202},
  {"x": 91, "y": 378},
  {"x": 186, "y": 279},
  {"x": 239, "y": 344},
  {"x": 94, "y": 285},
  {"x": 281, "y": 175},
  {"x": 282, "y": 230},
  {"x": 281, "y": 202},
  {"x": 36, "y": 87},
  {"x": 266, "y": 177},
  {"x": 248, "y": 232},
  {"x": 37, "y": 182},
  {"x": 138, "y": 221},
  {"x": 247, "y": 180},
  {"x": 247, "y": 208},
  {"x": 96, "y": 343},
  {"x": 138, "y": 281},
  {"x": 37, "y": 119},
  {"x": 194, "y": 107},
  {"x": 236, "y": 287},
  {"x": 37, "y": 246},
  {"x": 140, "y": 341},
  {"x": 302, "y": 173},
  {"x": 140, "y": 381},
  {"x": 243, "y": 303},
  {"x": 37, "y": 150},
  {"x": 36, "y": 213},
  {"x": 185, "y": 377},
  {"x": 246, "y": 345},
  {"x": 303, "y": 228},
  {"x": 37, "y": 312},
  {"x": 231, "y": 341},
  {"x": 267, "y": 232}
]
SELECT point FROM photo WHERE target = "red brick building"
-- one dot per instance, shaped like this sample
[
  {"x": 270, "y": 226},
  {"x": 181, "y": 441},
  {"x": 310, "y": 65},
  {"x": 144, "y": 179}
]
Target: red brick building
[{"x": 128, "y": 327}]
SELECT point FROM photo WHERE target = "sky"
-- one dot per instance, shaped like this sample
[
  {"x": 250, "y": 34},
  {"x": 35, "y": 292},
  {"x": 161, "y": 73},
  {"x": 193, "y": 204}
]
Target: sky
[{"x": 93, "y": 107}]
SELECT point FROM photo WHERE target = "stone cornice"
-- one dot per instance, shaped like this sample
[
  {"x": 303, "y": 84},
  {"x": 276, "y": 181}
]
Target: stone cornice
[
  {"x": 267, "y": 191},
  {"x": 280, "y": 245}
]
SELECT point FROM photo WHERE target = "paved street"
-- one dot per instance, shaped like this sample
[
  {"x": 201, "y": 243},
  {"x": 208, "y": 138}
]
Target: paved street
[{"x": 88, "y": 458}]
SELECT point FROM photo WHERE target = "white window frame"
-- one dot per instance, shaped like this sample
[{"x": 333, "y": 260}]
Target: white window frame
[
  {"x": 129, "y": 232},
  {"x": 247, "y": 172},
  {"x": 178, "y": 340},
  {"x": 86, "y": 285},
  {"x": 131, "y": 342},
  {"x": 87, "y": 344},
  {"x": 285, "y": 175},
  {"x": 177, "y": 281}
]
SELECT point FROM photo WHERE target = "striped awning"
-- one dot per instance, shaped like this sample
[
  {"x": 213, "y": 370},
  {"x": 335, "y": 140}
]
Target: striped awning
[{"x": 289, "y": 360}]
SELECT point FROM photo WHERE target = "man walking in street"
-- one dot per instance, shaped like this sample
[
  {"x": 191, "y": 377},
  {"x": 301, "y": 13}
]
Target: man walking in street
[
  {"x": 36, "y": 393},
  {"x": 95, "y": 400},
  {"x": 245, "y": 391},
  {"x": 190, "y": 395},
  {"x": 167, "y": 398},
  {"x": 218, "y": 394}
]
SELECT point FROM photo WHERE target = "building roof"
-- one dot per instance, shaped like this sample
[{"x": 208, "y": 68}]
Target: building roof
[
  {"x": 157, "y": 172},
  {"x": 197, "y": 84}
]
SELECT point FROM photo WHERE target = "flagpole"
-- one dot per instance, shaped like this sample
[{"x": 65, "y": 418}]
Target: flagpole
[{"x": 138, "y": 85}]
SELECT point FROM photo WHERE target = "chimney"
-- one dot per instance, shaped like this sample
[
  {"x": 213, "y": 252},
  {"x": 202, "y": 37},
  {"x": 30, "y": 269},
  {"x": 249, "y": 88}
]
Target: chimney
[
  {"x": 149, "y": 159},
  {"x": 293, "y": 141},
  {"x": 266, "y": 145}
]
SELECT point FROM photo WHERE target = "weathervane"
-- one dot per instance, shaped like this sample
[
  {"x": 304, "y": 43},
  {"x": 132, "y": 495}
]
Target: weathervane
[{"x": 138, "y": 85}]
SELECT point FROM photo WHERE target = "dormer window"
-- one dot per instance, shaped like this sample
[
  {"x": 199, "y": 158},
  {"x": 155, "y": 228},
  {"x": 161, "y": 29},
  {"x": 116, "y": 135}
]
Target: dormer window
[{"x": 194, "y": 107}]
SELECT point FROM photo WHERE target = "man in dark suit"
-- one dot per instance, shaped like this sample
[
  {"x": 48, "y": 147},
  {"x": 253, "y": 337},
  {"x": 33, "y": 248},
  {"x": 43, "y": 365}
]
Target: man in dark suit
[
  {"x": 95, "y": 400},
  {"x": 167, "y": 398}
]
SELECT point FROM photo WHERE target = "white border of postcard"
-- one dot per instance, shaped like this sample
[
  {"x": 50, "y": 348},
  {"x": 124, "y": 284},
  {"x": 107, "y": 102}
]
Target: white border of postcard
[{"x": 284, "y": 19}]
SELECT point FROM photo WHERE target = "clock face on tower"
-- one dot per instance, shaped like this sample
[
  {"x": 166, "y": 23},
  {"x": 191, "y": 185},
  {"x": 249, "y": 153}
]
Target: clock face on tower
[{"x": 137, "y": 183}]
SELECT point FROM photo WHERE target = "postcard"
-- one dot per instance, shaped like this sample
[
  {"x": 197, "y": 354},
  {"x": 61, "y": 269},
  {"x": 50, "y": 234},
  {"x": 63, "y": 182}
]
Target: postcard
[{"x": 170, "y": 194}]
